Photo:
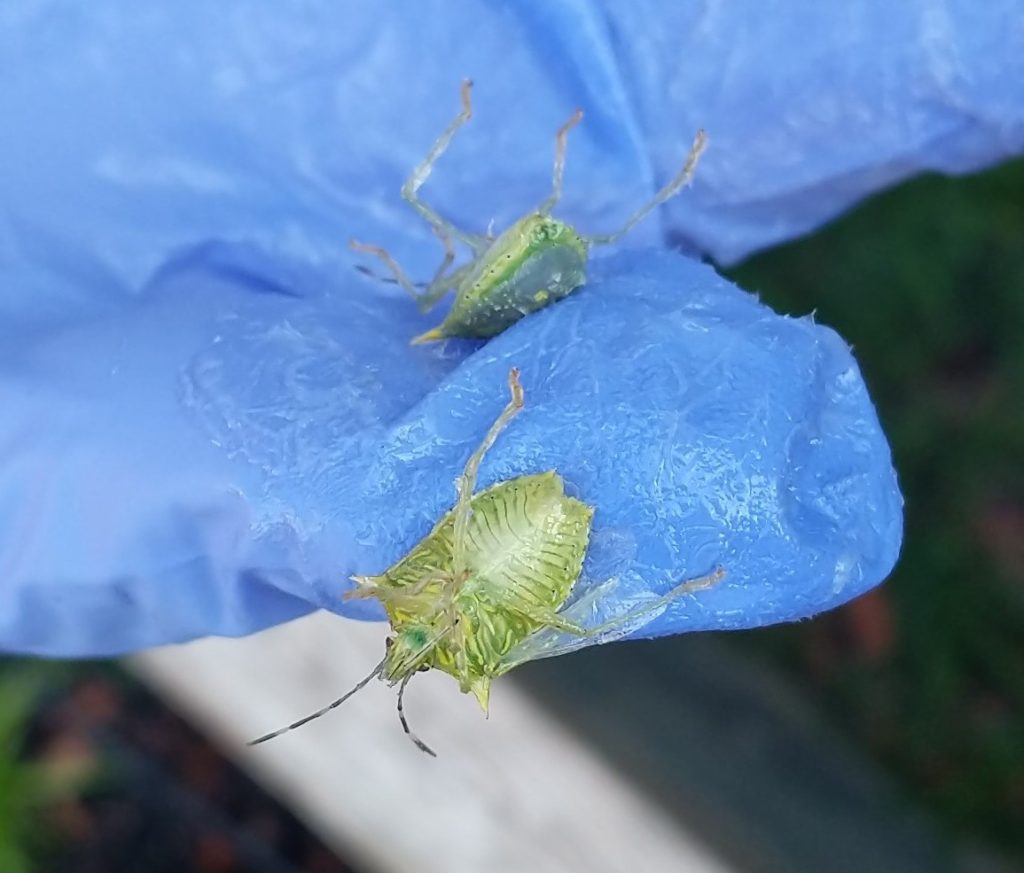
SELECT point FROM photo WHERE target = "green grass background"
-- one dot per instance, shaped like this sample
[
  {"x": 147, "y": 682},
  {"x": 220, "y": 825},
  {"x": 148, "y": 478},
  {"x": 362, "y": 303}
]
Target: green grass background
[{"x": 926, "y": 282}]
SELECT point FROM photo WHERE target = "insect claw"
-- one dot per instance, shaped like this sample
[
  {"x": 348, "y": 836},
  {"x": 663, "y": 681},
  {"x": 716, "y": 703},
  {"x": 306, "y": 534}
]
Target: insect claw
[{"x": 574, "y": 119}]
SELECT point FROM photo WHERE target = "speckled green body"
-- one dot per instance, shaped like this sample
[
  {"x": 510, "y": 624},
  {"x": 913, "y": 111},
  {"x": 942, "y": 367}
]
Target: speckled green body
[
  {"x": 525, "y": 543},
  {"x": 535, "y": 262}
]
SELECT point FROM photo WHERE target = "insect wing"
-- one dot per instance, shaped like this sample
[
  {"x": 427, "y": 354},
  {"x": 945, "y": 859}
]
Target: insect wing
[
  {"x": 589, "y": 610},
  {"x": 527, "y": 537}
]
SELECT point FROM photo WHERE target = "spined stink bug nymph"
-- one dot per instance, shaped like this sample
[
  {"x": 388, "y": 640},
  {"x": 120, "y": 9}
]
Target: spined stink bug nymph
[
  {"x": 491, "y": 586},
  {"x": 536, "y": 261}
]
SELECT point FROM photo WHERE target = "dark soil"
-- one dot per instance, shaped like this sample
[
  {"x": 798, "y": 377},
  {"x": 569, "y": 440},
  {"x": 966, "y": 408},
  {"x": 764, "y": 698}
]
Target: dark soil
[{"x": 162, "y": 799}]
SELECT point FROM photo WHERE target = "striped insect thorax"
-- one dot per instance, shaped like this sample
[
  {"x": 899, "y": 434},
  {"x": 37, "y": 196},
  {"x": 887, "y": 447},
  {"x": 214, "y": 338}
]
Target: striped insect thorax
[{"x": 525, "y": 543}]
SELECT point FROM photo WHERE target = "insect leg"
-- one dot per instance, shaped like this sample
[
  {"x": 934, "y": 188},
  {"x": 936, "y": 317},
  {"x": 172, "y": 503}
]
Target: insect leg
[
  {"x": 653, "y": 606},
  {"x": 683, "y": 178},
  {"x": 422, "y": 746},
  {"x": 461, "y": 656},
  {"x": 550, "y": 642},
  {"x": 557, "y": 621},
  {"x": 426, "y": 296},
  {"x": 439, "y": 287},
  {"x": 422, "y": 171},
  {"x": 556, "y": 178},
  {"x": 406, "y": 596},
  {"x": 442, "y": 284},
  {"x": 390, "y": 263},
  {"x": 449, "y": 256},
  {"x": 548, "y": 618},
  {"x": 466, "y": 483}
]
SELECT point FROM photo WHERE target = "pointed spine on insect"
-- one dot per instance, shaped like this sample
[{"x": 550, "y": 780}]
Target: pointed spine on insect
[
  {"x": 536, "y": 261},
  {"x": 475, "y": 595}
]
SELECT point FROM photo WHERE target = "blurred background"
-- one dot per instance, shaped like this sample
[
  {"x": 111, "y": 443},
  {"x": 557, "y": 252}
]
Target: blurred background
[
  {"x": 888, "y": 734},
  {"x": 927, "y": 672}
]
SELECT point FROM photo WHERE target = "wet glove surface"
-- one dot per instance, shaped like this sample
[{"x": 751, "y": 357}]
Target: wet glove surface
[
  {"x": 209, "y": 419},
  {"x": 215, "y": 459}
]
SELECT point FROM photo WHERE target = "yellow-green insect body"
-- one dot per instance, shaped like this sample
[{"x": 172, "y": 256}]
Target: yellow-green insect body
[
  {"x": 524, "y": 548},
  {"x": 535, "y": 262},
  {"x": 486, "y": 588}
]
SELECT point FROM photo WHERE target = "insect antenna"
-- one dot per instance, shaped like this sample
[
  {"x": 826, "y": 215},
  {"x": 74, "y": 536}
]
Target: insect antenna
[
  {"x": 422, "y": 746},
  {"x": 297, "y": 724}
]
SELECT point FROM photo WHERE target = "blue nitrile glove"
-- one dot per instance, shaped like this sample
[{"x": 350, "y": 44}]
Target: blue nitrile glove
[{"x": 208, "y": 420}]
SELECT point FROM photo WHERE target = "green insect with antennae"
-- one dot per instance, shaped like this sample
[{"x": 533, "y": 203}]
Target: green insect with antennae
[
  {"x": 537, "y": 261},
  {"x": 489, "y": 587}
]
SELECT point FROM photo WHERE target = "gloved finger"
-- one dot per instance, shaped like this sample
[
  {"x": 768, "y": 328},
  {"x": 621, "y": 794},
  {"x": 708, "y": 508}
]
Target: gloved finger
[
  {"x": 244, "y": 167},
  {"x": 705, "y": 430},
  {"x": 216, "y": 459}
]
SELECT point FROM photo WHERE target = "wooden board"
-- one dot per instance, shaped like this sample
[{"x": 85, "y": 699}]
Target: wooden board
[{"x": 517, "y": 792}]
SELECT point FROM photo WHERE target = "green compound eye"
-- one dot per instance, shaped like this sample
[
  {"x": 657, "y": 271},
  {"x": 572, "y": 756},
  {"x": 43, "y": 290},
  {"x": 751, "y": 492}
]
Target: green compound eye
[
  {"x": 416, "y": 638},
  {"x": 493, "y": 585},
  {"x": 533, "y": 263}
]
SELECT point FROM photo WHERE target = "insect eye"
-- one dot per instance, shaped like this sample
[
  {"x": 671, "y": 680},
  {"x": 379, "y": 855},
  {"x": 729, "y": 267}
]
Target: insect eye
[
  {"x": 545, "y": 231},
  {"x": 416, "y": 638}
]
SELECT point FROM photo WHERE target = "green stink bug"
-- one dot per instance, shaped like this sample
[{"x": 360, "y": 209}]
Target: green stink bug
[
  {"x": 536, "y": 261},
  {"x": 489, "y": 587}
]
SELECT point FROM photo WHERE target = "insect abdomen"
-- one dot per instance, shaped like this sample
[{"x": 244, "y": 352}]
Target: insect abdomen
[
  {"x": 535, "y": 262},
  {"x": 526, "y": 543},
  {"x": 546, "y": 276}
]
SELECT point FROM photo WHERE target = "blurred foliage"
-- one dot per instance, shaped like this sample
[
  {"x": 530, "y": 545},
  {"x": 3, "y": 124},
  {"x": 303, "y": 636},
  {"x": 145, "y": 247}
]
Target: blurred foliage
[
  {"x": 96, "y": 774},
  {"x": 31, "y": 785},
  {"x": 927, "y": 283}
]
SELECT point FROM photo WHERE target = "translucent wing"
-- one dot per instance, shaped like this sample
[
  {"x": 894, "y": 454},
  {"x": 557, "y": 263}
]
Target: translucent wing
[
  {"x": 588, "y": 611},
  {"x": 605, "y": 618}
]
